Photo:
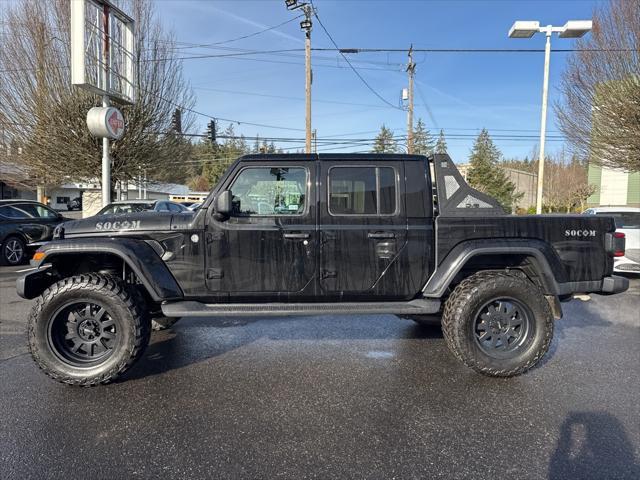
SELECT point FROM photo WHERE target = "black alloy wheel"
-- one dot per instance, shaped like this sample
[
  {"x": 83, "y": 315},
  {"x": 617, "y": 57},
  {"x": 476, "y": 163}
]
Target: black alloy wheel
[
  {"x": 83, "y": 333},
  {"x": 502, "y": 327}
]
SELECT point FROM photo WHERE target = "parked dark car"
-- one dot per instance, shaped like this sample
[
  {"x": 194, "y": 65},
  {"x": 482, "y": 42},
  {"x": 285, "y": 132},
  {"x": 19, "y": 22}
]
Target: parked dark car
[
  {"x": 75, "y": 204},
  {"x": 135, "y": 206},
  {"x": 24, "y": 222}
]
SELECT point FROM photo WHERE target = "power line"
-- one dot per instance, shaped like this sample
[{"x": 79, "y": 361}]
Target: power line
[
  {"x": 468, "y": 50},
  {"x": 350, "y": 65},
  {"x": 206, "y": 45},
  {"x": 234, "y": 92}
]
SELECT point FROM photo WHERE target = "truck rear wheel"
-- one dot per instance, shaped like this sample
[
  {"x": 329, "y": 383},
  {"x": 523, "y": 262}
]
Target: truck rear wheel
[
  {"x": 87, "y": 330},
  {"x": 498, "y": 324}
]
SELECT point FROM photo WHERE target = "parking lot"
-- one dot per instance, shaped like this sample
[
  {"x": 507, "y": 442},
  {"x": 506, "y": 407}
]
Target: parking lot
[{"x": 329, "y": 397}]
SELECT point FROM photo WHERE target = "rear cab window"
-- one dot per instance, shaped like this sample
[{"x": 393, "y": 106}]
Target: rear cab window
[{"x": 362, "y": 191}]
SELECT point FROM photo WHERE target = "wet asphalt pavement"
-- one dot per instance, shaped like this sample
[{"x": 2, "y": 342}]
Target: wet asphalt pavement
[{"x": 330, "y": 397}]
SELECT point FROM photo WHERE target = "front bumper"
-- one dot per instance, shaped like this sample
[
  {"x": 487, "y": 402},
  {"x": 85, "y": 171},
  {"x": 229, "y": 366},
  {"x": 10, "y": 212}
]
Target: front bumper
[
  {"x": 34, "y": 283},
  {"x": 614, "y": 284}
]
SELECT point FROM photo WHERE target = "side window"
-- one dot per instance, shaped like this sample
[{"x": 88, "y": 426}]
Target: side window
[
  {"x": 269, "y": 191},
  {"x": 44, "y": 212},
  {"x": 26, "y": 210},
  {"x": 162, "y": 207},
  {"x": 362, "y": 191},
  {"x": 174, "y": 208},
  {"x": 11, "y": 211}
]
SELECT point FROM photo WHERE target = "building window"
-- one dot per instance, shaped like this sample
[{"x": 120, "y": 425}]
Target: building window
[{"x": 64, "y": 200}]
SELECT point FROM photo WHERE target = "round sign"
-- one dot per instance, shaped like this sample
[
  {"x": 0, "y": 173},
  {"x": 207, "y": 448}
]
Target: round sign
[{"x": 106, "y": 122}]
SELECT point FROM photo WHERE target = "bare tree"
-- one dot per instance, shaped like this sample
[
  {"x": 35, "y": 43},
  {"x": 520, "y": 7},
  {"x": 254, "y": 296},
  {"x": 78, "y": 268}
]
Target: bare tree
[
  {"x": 566, "y": 187},
  {"x": 601, "y": 89},
  {"x": 41, "y": 111}
]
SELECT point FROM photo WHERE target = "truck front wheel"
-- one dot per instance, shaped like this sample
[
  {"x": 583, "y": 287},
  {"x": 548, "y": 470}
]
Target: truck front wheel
[
  {"x": 497, "y": 323},
  {"x": 87, "y": 330}
]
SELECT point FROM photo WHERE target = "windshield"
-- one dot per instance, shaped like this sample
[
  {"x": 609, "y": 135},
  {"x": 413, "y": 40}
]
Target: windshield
[
  {"x": 629, "y": 220},
  {"x": 125, "y": 208}
]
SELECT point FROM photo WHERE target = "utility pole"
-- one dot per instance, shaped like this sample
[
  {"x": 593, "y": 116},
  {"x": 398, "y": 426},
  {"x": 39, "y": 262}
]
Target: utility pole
[
  {"x": 306, "y": 25},
  {"x": 411, "y": 68},
  {"x": 309, "y": 74},
  {"x": 315, "y": 141}
]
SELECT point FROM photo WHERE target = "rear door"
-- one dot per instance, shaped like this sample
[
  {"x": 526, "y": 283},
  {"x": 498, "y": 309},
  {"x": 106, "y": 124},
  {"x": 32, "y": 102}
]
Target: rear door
[
  {"x": 363, "y": 229},
  {"x": 268, "y": 246}
]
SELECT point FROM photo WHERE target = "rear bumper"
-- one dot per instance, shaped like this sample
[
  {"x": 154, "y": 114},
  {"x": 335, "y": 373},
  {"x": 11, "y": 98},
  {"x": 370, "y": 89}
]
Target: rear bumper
[{"x": 608, "y": 285}]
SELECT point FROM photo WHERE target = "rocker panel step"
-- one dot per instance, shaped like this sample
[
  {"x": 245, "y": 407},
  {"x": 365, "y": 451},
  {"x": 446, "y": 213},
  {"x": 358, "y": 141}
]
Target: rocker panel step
[{"x": 198, "y": 309}]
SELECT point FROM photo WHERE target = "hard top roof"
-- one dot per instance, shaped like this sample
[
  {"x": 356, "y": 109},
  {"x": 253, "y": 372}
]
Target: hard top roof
[{"x": 310, "y": 157}]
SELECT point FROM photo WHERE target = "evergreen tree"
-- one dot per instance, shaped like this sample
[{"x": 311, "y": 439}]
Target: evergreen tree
[
  {"x": 485, "y": 173},
  {"x": 256, "y": 145},
  {"x": 423, "y": 143},
  {"x": 385, "y": 142},
  {"x": 441, "y": 144}
]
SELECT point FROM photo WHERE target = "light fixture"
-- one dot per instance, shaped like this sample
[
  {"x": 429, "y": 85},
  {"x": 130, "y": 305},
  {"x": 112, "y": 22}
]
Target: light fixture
[
  {"x": 305, "y": 24},
  {"x": 291, "y": 4},
  {"x": 575, "y": 28},
  {"x": 524, "y": 29}
]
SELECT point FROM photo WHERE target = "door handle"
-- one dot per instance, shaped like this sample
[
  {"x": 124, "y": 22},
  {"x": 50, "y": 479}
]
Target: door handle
[
  {"x": 296, "y": 236},
  {"x": 381, "y": 235}
]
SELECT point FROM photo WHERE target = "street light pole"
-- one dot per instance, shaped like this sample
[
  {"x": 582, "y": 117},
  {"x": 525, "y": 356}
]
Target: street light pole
[
  {"x": 543, "y": 119},
  {"x": 527, "y": 29}
]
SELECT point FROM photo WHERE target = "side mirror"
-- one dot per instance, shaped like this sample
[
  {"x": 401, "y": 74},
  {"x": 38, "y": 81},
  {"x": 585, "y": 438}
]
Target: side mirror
[{"x": 222, "y": 204}]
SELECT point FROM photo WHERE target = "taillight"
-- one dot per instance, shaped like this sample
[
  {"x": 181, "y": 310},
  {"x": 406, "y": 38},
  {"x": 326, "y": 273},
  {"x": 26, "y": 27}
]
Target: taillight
[{"x": 619, "y": 244}]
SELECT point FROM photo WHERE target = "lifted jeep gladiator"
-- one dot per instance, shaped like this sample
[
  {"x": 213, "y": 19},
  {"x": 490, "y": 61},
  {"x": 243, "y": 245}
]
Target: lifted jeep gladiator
[{"x": 311, "y": 235}]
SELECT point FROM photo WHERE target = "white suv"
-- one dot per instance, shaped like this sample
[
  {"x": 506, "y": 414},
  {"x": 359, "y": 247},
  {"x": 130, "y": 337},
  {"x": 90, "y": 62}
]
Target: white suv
[{"x": 628, "y": 222}]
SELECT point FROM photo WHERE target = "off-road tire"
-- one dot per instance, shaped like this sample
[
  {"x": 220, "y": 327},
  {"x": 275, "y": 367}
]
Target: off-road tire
[
  {"x": 462, "y": 309},
  {"x": 13, "y": 241},
  {"x": 163, "y": 323},
  {"x": 132, "y": 322}
]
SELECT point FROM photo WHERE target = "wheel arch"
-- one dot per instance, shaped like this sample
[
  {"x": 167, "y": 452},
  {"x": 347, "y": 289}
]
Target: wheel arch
[
  {"x": 70, "y": 257},
  {"x": 534, "y": 258}
]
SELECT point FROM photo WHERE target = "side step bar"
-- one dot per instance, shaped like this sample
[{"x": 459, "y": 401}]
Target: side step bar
[{"x": 198, "y": 309}]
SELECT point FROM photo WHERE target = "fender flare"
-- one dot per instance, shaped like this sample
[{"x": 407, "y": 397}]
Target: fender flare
[
  {"x": 545, "y": 260},
  {"x": 139, "y": 256}
]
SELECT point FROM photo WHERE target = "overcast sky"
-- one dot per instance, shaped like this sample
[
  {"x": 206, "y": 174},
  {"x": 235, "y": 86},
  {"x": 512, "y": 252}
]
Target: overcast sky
[{"x": 464, "y": 92}]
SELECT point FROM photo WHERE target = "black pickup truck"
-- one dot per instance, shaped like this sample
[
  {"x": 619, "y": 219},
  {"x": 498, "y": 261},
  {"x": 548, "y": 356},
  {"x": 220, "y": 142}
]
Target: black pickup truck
[{"x": 311, "y": 235}]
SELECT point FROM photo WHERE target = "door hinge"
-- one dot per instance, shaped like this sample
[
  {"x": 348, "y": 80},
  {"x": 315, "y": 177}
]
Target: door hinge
[
  {"x": 329, "y": 274},
  {"x": 215, "y": 273},
  {"x": 214, "y": 236}
]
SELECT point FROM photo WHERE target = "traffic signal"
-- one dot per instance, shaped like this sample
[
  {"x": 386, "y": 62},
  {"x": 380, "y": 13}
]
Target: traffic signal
[
  {"x": 211, "y": 131},
  {"x": 176, "y": 121}
]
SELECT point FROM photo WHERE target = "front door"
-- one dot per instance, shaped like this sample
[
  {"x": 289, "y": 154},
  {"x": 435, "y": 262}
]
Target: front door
[
  {"x": 267, "y": 247},
  {"x": 363, "y": 229}
]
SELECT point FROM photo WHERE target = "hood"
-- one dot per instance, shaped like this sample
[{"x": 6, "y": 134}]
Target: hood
[{"x": 123, "y": 223}]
